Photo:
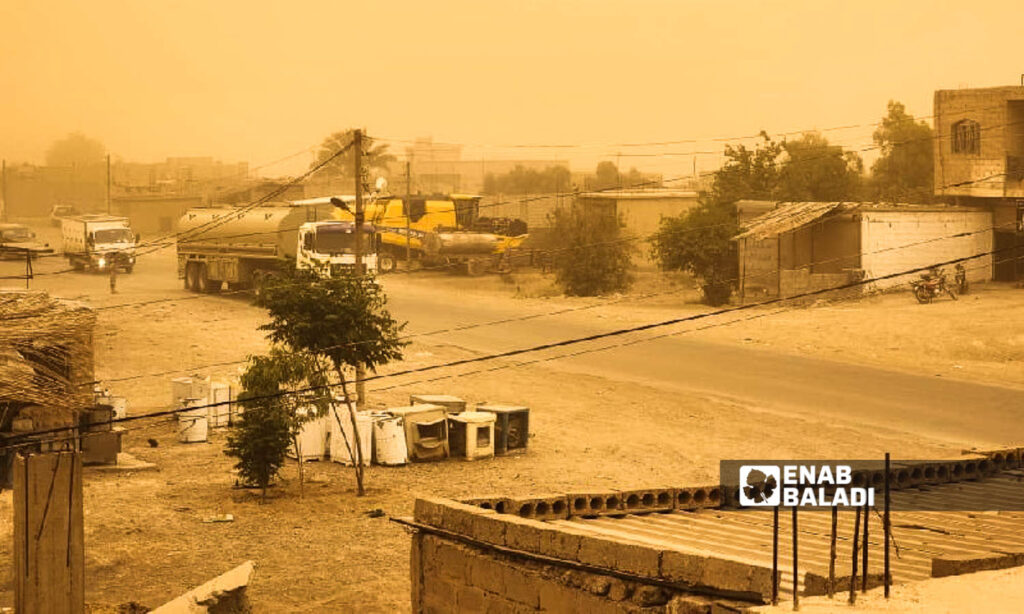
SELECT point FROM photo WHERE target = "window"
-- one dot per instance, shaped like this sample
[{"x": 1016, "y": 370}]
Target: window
[{"x": 966, "y": 137}]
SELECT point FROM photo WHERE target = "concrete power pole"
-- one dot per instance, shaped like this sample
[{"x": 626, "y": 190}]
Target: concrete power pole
[
  {"x": 357, "y": 147},
  {"x": 108, "y": 184}
]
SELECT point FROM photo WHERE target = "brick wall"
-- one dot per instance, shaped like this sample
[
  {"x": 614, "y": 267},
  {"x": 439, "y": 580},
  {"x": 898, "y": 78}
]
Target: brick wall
[{"x": 988, "y": 107}]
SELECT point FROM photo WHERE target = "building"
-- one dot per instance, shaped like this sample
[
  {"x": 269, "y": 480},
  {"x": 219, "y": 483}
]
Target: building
[
  {"x": 640, "y": 210},
  {"x": 810, "y": 246},
  {"x": 441, "y": 168},
  {"x": 154, "y": 213},
  {"x": 979, "y": 161}
]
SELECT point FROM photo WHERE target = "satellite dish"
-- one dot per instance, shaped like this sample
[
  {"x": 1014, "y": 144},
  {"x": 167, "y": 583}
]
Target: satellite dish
[{"x": 381, "y": 184}]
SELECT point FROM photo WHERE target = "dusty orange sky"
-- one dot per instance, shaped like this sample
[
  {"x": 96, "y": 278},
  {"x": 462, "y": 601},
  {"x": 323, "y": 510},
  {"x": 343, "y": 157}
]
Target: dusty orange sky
[{"x": 258, "y": 81}]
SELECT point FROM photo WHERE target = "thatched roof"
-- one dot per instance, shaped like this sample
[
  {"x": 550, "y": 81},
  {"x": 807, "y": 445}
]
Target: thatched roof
[{"x": 45, "y": 352}]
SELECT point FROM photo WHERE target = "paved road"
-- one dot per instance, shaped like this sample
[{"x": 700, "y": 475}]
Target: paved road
[{"x": 961, "y": 412}]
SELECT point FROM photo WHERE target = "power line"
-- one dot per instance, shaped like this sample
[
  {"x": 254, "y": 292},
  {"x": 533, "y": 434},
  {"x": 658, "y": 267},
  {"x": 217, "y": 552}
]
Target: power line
[{"x": 556, "y": 344}]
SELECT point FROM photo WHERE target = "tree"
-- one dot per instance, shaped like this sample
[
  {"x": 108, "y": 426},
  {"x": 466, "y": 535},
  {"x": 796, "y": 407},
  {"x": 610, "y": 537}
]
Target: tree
[
  {"x": 905, "y": 169},
  {"x": 340, "y": 322},
  {"x": 375, "y": 156},
  {"x": 75, "y": 149},
  {"x": 591, "y": 256},
  {"x": 747, "y": 172},
  {"x": 522, "y": 180},
  {"x": 260, "y": 440},
  {"x": 268, "y": 382},
  {"x": 813, "y": 170},
  {"x": 700, "y": 242}
]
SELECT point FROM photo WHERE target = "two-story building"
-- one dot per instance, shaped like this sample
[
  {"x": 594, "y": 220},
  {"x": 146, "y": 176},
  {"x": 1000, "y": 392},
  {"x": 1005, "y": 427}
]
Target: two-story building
[{"x": 979, "y": 161}]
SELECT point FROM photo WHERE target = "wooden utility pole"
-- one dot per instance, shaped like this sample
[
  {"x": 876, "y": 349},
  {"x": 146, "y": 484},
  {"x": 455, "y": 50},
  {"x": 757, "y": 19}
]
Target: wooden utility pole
[
  {"x": 3, "y": 189},
  {"x": 108, "y": 184},
  {"x": 357, "y": 156},
  {"x": 408, "y": 214},
  {"x": 49, "y": 553}
]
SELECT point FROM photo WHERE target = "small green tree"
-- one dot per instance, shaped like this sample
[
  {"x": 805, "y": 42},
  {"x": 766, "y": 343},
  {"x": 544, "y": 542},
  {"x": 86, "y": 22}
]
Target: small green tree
[
  {"x": 260, "y": 440},
  {"x": 341, "y": 322},
  {"x": 591, "y": 254},
  {"x": 700, "y": 242}
]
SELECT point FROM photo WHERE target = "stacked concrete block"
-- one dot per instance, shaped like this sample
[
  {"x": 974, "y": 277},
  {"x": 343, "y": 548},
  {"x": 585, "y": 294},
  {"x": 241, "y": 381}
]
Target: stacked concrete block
[
  {"x": 543, "y": 507},
  {"x": 497, "y": 503},
  {"x": 648, "y": 500},
  {"x": 590, "y": 505},
  {"x": 698, "y": 497}
]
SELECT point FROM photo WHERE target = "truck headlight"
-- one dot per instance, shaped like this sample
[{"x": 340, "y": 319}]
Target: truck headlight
[{"x": 102, "y": 262}]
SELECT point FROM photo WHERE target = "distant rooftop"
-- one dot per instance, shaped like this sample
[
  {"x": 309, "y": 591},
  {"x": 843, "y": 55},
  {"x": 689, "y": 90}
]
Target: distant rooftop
[{"x": 639, "y": 194}]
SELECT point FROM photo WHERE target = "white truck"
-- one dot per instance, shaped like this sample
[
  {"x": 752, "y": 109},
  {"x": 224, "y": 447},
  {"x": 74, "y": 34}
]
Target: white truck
[
  {"x": 244, "y": 246},
  {"x": 99, "y": 242}
]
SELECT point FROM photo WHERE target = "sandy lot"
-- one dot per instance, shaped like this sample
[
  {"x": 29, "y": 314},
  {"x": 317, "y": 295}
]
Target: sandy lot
[{"x": 145, "y": 535}]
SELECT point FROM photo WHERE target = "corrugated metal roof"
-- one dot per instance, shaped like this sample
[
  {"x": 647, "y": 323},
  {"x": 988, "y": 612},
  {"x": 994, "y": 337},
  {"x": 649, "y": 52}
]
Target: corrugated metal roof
[{"x": 786, "y": 217}]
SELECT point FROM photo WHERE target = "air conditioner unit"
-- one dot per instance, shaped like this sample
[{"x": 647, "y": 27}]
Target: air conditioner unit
[
  {"x": 426, "y": 431},
  {"x": 451, "y": 404},
  {"x": 511, "y": 427},
  {"x": 471, "y": 435}
]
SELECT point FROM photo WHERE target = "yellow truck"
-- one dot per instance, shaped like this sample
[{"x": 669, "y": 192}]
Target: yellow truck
[{"x": 435, "y": 230}]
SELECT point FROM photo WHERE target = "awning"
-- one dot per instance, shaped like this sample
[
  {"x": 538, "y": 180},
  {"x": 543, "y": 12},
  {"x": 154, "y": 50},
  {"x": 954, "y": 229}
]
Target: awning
[{"x": 786, "y": 217}]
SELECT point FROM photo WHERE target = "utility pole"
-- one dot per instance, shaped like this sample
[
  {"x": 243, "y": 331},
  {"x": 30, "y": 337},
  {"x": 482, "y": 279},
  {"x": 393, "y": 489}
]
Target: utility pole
[
  {"x": 357, "y": 146},
  {"x": 108, "y": 184},
  {"x": 3, "y": 188},
  {"x": 408, "y": 212}
]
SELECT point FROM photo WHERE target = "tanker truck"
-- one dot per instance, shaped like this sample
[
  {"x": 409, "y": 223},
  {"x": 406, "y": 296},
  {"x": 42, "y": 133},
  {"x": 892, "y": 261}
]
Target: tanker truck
[
  {"x": 244, "y": 246},
  {"x": 437, "y": 229}
]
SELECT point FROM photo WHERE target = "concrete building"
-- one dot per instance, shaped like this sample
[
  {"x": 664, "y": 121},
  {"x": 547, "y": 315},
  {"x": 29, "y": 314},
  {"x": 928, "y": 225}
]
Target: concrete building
[
  {"x": 642, "y": 210},
  {"x": 441, "y": 168},
  {"x": 979, "y": 161},
  {"x": 801, "y": 247}
]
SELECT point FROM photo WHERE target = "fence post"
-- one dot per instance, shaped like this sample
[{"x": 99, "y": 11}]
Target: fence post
[{"x": 49, "y": 556}]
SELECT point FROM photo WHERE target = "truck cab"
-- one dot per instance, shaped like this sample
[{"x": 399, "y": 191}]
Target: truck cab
[
  {"x": 328, "y": 247},
  {"x": 99, "y": 242}
]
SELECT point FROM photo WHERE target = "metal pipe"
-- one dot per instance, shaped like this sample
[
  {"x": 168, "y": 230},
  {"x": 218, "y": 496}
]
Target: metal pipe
[
  {"x": 864, "y": 563},
  {"x": 796, "y": 573},
  {"x": 887, "y": 529},
  {"x": 832, "y": 554},
  {"x": 775, "y": 555},
  {"x": 853, "y": 571}
]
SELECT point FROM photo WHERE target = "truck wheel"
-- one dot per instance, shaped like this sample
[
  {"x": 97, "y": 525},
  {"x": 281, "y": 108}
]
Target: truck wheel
[
  {"x": 191, "y": 273},
  {"x": 128, "y": 269},
  {"x": 475, "y": 267},
  {"x": 205, "y": 284},
  {"x": 77, "y": 264},
  {"x": 386, "y": 263}
]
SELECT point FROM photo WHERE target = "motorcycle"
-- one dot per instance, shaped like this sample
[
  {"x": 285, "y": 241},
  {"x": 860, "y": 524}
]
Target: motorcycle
[
  {"x": 931, "y": 285},
  {"x": 960, "y": 278}
]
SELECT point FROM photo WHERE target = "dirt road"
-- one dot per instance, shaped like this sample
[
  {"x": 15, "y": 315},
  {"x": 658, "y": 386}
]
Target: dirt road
[{"x": 615, "y": 421}]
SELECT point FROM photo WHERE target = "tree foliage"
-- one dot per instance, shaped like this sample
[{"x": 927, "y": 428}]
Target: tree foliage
[
  {"x": 814, "y": 170},
  {"x": 342, "y": 321},
  {"x": 904, "y": 172},
  {"x": 700, "y": 242},
  {"x": 607, "y": 177},
  {"x": 522, "y": 180},
  {"x": 376, "y": 157},
  {"x": 75, "y": 149},
  {"x": 592, "y": 256}
]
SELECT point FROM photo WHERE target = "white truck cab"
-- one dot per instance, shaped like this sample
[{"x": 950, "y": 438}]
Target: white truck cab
[
  {"x": 99, "y": 242},
  {"x": 328, "y": 247}
]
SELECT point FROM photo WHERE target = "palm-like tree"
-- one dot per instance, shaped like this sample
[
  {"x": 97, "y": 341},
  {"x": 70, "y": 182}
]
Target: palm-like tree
[{"x": 375, "y": 156}]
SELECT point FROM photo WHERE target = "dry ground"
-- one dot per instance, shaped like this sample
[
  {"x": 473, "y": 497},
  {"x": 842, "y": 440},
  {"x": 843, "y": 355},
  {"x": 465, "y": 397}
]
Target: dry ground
[{"x": 145, "y": 535}]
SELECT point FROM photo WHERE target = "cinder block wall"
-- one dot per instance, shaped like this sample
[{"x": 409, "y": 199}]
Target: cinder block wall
[{"x": 452, "y": 577}]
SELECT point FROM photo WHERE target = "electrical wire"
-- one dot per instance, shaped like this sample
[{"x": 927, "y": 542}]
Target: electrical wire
[{"x": 554, "y": 344}]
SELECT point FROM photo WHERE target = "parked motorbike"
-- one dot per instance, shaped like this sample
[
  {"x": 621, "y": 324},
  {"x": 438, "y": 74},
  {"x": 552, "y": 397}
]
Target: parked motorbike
[
  {"x": 961, "y": 278},
  {"x": 931, "y": 285}
]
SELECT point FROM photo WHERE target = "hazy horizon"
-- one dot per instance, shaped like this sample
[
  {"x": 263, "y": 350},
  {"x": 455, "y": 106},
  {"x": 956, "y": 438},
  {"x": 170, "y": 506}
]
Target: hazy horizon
[{"x": 156, "y": 80}]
